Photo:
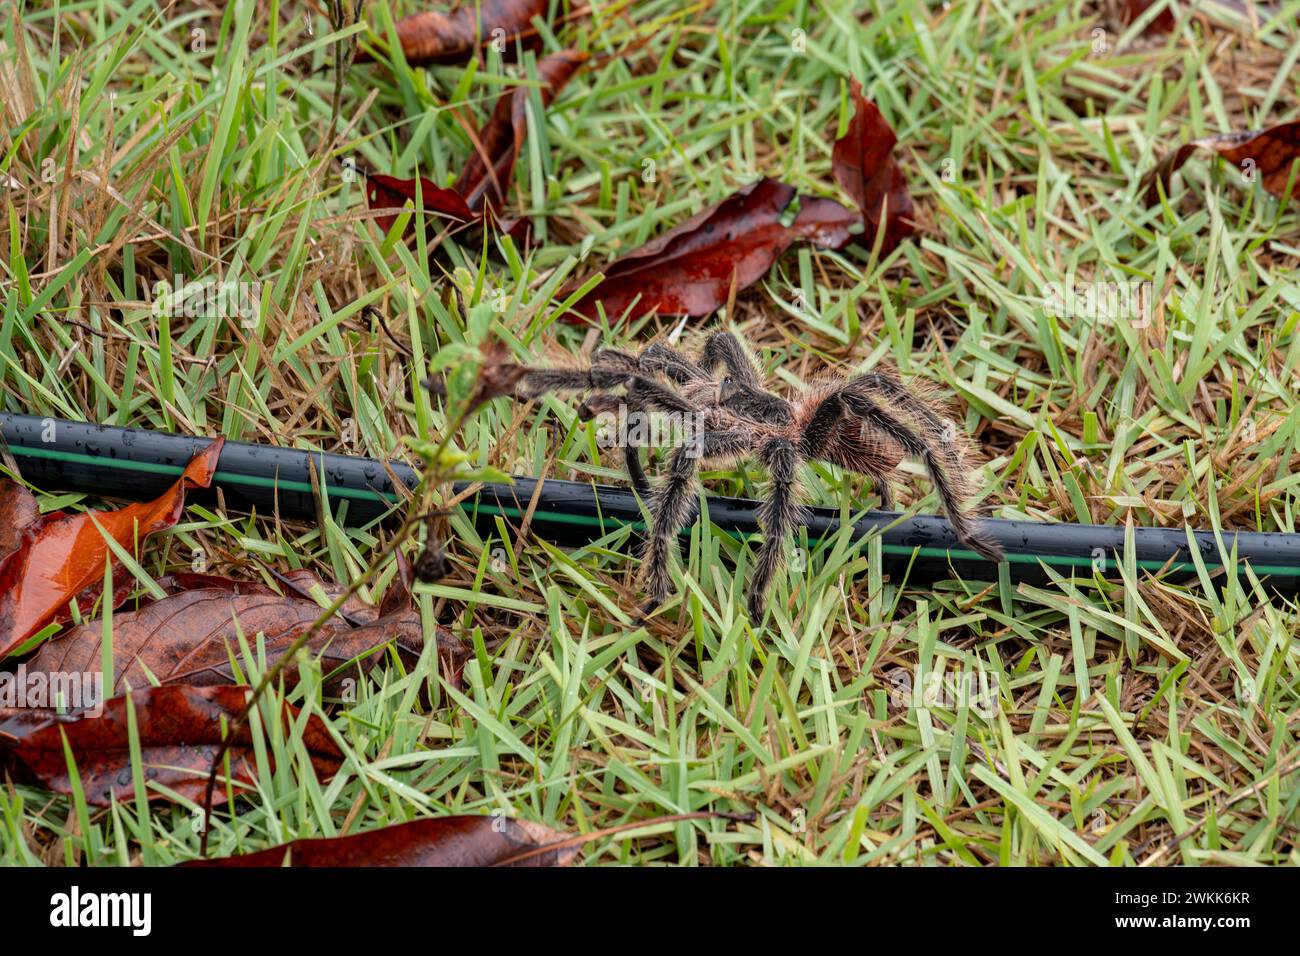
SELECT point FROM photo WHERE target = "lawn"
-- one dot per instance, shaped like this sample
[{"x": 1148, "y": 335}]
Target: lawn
[{"x": 1123, "y": 722}]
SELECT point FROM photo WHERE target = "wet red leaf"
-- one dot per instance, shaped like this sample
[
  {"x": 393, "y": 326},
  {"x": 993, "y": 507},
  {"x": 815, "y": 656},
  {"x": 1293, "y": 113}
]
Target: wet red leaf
[
  {"x": 189, "y": 637},
  {"x": 863, "y": 163},
  {"x": 442, "y": 841},
  {"x": 18, "y": 510},
  {"x": 453, "y": 36},
  {"x": 179, "y": 729},
  {"x": 689, "y": 270},
  {"x": 61, "y": 556},
  {"x": 1267, "y": 154}
]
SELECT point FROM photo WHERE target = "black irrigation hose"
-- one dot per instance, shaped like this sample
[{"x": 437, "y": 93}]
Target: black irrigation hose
[{"x": 137, "y": 464}]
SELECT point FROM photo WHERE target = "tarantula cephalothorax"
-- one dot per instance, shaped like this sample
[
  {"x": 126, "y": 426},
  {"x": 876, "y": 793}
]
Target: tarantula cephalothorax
[{"x": 864, "y": 424}]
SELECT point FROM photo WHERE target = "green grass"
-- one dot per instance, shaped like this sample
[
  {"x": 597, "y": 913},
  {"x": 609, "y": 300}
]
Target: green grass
[{"x": 1123, "y": 716}]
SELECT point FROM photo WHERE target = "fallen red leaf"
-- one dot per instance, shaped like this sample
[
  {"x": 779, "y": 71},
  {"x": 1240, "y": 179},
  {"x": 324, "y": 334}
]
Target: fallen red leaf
[
  {"x": 481, "y": 189},
  {"x": 863, "y": 163},
  {"x": 189, "y": 636},
  {"x": 689, "y": 270},
  {"x": 18, "y": 510},
  {"x": 1268, "y": 154},
  {"x": 441, "y": 841},
  {"x": 452, "y": 37},
  {"x": 298, "y": 582},
  {"x": 61, "y": 556},
  {"x": 389, "y": 192},
  {"x": 1165, "y": 21},
  {"x": 503, "y": 137},
  {"x": 179, "y": 730}
]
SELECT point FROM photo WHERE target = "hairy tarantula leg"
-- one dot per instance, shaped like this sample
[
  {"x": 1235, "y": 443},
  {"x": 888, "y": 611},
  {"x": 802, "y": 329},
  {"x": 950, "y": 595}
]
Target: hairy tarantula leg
[
  {"x": 611, "y": 369},
  {"x": 635, "y": 470},
  {"x": 818, "y": 433},
  {"x": 615, "y": 360},
  {"x": 665, "y": 359},
  {"x": 890, "y": 387},
  {"x": 950, "y": 486},
  {"x": 645, "y": 394},
  {"x": 940, "y": 427},
  {"x": 778, "y": 516},
  {"x": 607, "y": 403},
  {"x": 883, "y": 491},
  {"x": 655, "y": 359},
  {"x": 820, "y": 427},
  {"x": 670, "y": 509},
  {"x": 599, "y": 404},
  {"x": 723, "y": 348},
  {"x": 538, "y": 381},
  {"x": 672, "y": 503}
]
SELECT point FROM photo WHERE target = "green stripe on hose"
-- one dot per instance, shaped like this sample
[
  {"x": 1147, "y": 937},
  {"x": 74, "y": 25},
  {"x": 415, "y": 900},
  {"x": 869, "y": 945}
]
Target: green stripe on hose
[{"x": 221, "y": 476}]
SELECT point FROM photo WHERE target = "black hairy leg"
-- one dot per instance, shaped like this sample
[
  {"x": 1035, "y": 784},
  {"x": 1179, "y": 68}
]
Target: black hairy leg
[
  {"x": 723, "y": 348},
  {"x": 823, "y": 438},
  {"x": 668, "y": 361},
  {"x": 778, "y": 515},
  {"x": 951, "y": 486},
  {"x": 672, "y": 504}
]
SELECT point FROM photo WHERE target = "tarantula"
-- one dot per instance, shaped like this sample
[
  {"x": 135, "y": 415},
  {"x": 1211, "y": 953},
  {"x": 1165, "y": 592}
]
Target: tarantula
[{"x": 864, "y": 424}]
